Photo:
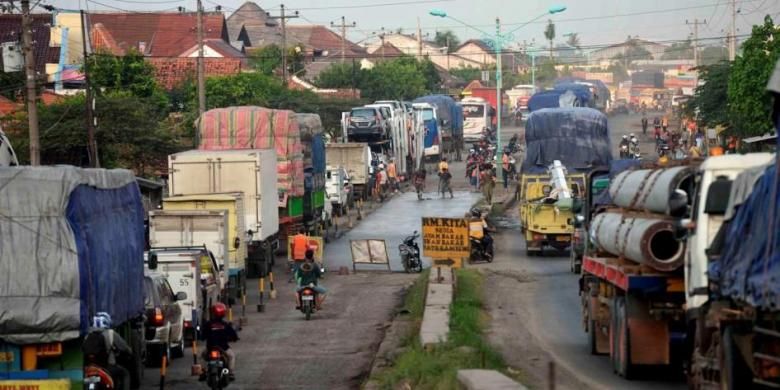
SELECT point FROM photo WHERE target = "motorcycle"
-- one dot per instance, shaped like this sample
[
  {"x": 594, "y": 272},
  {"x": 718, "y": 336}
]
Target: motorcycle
[
  {"x": 479, "y": 252},
  {"x": 410, "y": 253},
  {"x": 308, "y": 303},
  {"x": 217, "y": 373},
  {"x": 623, "y": 151},
  {"x": 97, "y": 378}
]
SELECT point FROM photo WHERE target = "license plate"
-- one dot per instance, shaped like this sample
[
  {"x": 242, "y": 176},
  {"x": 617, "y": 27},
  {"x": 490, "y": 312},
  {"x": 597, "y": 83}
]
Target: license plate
[
  {"x": 562, "y": 238},
  {"x": 308, "y": 298},
  {"x": 6, "y": 357}
]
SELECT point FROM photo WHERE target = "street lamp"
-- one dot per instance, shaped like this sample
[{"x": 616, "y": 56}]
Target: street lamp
[{"x": 497, "y": 41}]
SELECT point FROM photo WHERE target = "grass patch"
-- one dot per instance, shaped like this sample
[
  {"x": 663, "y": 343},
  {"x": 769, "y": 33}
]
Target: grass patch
[
  {"x": 414, "y": 301},
  {"x": 466, "y": 347}
]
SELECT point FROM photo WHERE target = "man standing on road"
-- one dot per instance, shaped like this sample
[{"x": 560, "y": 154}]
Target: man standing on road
[
  {"x": 505, "y": 169},
  {"x": 443, "y": 165},
  {"x": 488, "y": 182},
  {"x": 444, "y": 179},
  {"x": 392, "y": 175},
  {"x": 644, "y": 124}
]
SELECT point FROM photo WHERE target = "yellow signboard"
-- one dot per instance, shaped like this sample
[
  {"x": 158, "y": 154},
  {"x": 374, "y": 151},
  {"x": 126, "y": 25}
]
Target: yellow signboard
[
  {"x": 48, "y": 384},
  {"x": 445, "y": 238},
  {"x": 315, "y": 243}
]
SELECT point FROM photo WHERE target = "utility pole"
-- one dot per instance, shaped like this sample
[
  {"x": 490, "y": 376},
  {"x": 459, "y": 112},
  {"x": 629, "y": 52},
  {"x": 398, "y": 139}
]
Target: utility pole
[
  {"x": 201, "y": 65},
  {"x": 94, "y": 160},
  {"x": 343, "y": 27},
  {"x": 448, "y": 52},
  {"x": 29, "y": 68},
  {"x": 499, "y": 81},
  {"x": 696, "y": 24},
  {"x": 284, "y": 18},
  {"x": 733, "y": 34},
  {"x": 382, "y": 40}
]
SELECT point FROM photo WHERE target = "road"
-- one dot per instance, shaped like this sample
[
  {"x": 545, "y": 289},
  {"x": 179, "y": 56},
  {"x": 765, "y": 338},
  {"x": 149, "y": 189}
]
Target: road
[
  {"x": 280, "y": 350},
  {"x": 534, "y": 308}
]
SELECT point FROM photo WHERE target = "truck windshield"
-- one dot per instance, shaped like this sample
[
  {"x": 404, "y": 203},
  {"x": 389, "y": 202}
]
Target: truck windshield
[
  {"x": 363, "y": 113},
  {"x": 473, "y": 111},
  {"x": 427, "y": 114}
]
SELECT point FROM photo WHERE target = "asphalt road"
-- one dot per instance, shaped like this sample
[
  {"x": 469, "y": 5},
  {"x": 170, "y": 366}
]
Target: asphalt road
[{"x": 535, "y": 308}]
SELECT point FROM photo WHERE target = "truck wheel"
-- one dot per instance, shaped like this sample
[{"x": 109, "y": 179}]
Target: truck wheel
[
  {"x": 734, "y": 373},
  {"x": 625, "y": 368},
  {"x": 614, "y": 355},
  {"x": 591, "y": 328}
]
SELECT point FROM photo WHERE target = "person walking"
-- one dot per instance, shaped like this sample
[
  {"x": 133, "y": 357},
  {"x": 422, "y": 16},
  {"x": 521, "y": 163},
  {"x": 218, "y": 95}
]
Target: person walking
[
  {"x": 445, "y": 177},
  {"x": 505, "y": 169},
  {"x": 488, "y": 183},
  {"x": 392, "y": 176}
]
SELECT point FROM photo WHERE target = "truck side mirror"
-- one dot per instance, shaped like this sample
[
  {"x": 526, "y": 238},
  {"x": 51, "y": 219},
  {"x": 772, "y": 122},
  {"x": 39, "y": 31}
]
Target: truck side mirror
[
  {"x": 181, "y": 295},
  {"x": 236, "y": 243},
  {"x": 152, "y": 261}
]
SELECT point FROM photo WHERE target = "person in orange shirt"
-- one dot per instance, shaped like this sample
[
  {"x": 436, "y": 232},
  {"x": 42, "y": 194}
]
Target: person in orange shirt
[
  {"x": 299, "y": 245},
  {"x": 392, "y": 175}
]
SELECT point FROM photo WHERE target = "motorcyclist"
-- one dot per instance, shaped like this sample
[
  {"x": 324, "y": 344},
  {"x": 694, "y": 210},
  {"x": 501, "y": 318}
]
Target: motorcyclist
[
  {"x": 309, "y": 273},
  {"x": 103, "y": 347},
  {"x": 218, "y": 333},
  {"x": 480, "y": 230},
  {"x": 624, "y": 143},
  {"x": 657, "y": 126}
]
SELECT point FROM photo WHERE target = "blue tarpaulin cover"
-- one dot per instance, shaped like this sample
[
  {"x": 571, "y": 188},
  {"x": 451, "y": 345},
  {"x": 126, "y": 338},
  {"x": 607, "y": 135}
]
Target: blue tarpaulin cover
[
  {"x": 584, "y": 96},
  {"x": 446, "y": 108},
  {"x": 544, "y": 99},
  {"x": 746, "y": 271},
  {"x": 577, "y": 136},
  {"x": 71, "y": 245}
]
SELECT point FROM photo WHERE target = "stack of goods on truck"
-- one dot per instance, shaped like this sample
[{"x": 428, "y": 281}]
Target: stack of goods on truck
[
  {"x": 313, "y": 141},
  {"x": 251, "y": 127},
  {"x": 72, "y": 246}
]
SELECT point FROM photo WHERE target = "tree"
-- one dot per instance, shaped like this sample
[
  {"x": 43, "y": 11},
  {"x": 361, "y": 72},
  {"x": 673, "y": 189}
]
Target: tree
[
  {"x": 447, "y": 39},
  {"x": 748, "y": 102},
  {"x": 711, "y": 95},
  {"x": 266, "y": 59},
  {"x": 467, "y": 74},
  {"x": 549, "y": 34},
  {"x": 340, "y": 75},
  {"x": 632, "y": 51},
  {"x": 619, "y": 72},
  {"x": 401, "y": 78},
  {"x": 129, "y": 73},
  {"x": 679, "y": 51},
  {"x": 573, "y": 41}
]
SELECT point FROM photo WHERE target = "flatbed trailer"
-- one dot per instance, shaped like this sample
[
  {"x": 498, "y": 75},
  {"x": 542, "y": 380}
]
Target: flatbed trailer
[{"x": 632, "y": 313}]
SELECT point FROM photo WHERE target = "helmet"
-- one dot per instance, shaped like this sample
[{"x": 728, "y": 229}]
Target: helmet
[
  {"x": 218, "y": 310},
  {"x": 631, "y": 135},
  {"x": 475, "y": 212},
  {"x": 625, "y": 137},
  {"x": 101, "y": 320}
]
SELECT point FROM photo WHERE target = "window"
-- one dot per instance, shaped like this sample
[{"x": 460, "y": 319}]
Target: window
[
  {"x": 363, "y": 113},
  {"x": 164, "y": 291},
  {"x": 427, "y": 114},
  {"x": 473, "y": 111},
  {"x": 148, "y": 292}
]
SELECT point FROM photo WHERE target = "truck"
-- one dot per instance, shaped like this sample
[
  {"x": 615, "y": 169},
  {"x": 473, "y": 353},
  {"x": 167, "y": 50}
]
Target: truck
[
  {"x": 449, "y": 116},
  {"x": 252, "y": 127},
  {"x": 477, "y": 116},
  {"x": 193, "y": 270},
  {"x": 399, "y": 135},
  {"x": 432, "y": 146},
  {"x": 489, "y": 94},
  {"x": 355, "y": 158},
  {"x": 562, "y": 146},
  {"x": 251, "y": 172},
  {"x": 213, "y": 220},
  {"x": 635, "y": 284},
  {"x": 313, "y": 142},
  {"x": 72, "y": 247}
]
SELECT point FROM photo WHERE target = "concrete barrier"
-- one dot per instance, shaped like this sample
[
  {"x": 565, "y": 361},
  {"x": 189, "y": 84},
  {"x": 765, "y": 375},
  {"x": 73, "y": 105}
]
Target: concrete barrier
[
  {"x": 436, "y": 316},
  {"x": 487, "y": 380}
]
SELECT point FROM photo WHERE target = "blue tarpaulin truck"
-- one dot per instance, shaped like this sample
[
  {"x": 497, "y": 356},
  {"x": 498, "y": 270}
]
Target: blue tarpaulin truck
[
  {"x": 448, "y": 128},
  {"x": 71, "y": 246}
]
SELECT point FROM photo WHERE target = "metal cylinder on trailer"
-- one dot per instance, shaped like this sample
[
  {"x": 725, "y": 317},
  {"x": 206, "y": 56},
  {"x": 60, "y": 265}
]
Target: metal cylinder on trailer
[
  {"x": 645, "y": 240},
  {"x": 653, "y": 190}
]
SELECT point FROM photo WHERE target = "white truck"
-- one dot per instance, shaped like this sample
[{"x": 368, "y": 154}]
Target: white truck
[
  {"x": 194, "y": 270},
  {"x": 251, "y": 172},
  {"x": 355, "y": 158},
  {"x": 338, "y": 189},
  {"x": 476, "y": 118}
]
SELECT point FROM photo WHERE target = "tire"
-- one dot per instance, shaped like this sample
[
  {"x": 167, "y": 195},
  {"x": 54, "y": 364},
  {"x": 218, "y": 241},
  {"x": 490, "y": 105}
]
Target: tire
[
  {"x": 625, "y": 367},
  {"x": 307, "y": 310},
  {"x": 419, "y": 266},
  {"x": 734, "y": 373}
]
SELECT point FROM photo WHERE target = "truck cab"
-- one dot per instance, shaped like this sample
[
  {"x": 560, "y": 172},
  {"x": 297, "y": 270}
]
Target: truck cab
[
  {"x": 337, "y": 188},
  {"x": 7, "y": 155},
  {"x": 431, "y": 121},
  {"x": 476, "y": 117},
  {"x": 713, "y": 188}
]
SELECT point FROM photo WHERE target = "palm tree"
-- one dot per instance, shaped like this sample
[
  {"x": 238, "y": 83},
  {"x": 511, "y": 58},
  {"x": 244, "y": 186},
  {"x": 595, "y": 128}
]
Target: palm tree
[{"x": 549, "y": 33}]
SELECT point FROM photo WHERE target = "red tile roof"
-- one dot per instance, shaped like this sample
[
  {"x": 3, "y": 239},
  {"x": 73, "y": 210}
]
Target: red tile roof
[
  {"x": 8, "y": 106},
  {"x": 154, "y": 34},
  {"x": 170, "y": 72},
  {"x": 319, "y": 37}
]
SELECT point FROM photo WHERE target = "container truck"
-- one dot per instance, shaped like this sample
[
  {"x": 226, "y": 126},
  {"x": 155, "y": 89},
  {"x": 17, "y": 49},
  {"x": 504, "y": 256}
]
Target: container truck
[
  {"x": 313, "y": 144},
  {"x": 563, "y": 142},
  {"x": 635, "y": 283},
  {"x": 489, "y": 94},
  {"x": 355, "y": 158},
  {"x": 251, "y": 172},
  {"x": 432, "y": 146},
  {"x": 72, "y": 247}
]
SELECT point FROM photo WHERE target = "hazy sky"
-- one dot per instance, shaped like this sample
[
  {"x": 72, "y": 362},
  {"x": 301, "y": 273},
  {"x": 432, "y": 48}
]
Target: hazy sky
[{"x": 596, "y": 21}]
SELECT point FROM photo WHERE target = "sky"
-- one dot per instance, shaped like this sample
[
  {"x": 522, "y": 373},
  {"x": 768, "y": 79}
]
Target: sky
[{"x": 597, "y": 22}]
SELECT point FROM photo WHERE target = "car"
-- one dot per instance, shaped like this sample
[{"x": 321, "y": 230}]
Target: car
[
  {"x": 366, "y": 123},
  {"x": 164, "y": 325}
]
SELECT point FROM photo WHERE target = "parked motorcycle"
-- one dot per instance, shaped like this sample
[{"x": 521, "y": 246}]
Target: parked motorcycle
[
  {"x": 308, "y": 303},
  {"x": 479, "y": 252},
  {"x": 217, "y": 373},
  {"x": 410, "y": 253}
]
